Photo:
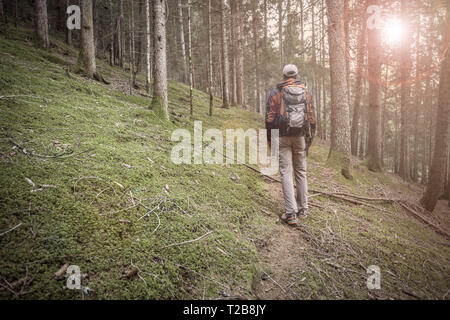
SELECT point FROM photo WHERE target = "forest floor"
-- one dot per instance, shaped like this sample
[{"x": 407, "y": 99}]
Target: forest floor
[{"x": 86, "y": 180}]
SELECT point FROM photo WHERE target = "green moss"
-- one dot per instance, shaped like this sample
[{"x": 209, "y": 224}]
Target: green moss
[{"x": 78, "y": 222}]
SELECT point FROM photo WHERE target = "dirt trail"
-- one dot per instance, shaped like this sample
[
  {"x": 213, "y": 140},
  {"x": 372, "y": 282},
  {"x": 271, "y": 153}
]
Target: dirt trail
[
  {"x": 288, "y": 253},
  {"x": 280, "y": 255}
]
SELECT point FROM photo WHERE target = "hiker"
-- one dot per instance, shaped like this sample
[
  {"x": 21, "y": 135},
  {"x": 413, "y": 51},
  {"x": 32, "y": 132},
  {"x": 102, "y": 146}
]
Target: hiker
[{"x": 290, "y": 109}]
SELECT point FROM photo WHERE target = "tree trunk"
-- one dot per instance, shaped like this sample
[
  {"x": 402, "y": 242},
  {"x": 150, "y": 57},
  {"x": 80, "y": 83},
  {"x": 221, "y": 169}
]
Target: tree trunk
[
  {"x": 225, "y": 62},
  {"x": 160, "y": 99},
  {"x": 280, "y": 30},
  {"x": 210, "y": 84},
  {"x": 120, "y": 31},
  {"x": 68, "y": 32},
  {"x": 358, "y": 85},
  {"x": 340, "y": 121},
  {"x": 233, "y": 63},
  {"x": 148, "y": 64},
  {"x": 132, "y": 47},
  {"x": 87, "y": 51},
  {"x": 255, "y": 39},
  {"x": 323, "y": 118},
  {"x": 302, "y": 36},
  {"x": 418, "y": 106},
  {"x": 182, "y": 42},
  {"x": 41, "y": 22},
  {"x": 405, "y": 92},
  {"x": 111, "y": 26},
  {"x": 238, "y": 55},
  {"x": 347, "y": 44},
  {"x": 374, "y": 148},
  {"x": 191, "y": 72},
  {"x": 435, "y": 182}
]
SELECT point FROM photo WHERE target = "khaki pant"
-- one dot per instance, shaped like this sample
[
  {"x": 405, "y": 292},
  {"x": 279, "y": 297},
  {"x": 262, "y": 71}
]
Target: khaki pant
[{"x": 293, "y": 160}]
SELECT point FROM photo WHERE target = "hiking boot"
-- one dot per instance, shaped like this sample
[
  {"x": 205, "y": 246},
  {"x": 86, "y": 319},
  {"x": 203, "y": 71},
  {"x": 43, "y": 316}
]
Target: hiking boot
[
  {"x": 303, "y": 213},
  {"x": 289, "y": 218}
]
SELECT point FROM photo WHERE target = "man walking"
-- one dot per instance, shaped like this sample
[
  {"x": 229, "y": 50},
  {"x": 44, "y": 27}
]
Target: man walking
[{"x": 290, "y": 110}]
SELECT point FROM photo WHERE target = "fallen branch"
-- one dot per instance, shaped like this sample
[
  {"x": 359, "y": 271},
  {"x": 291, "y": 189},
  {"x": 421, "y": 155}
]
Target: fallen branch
[
  {"x": 271, "y": 279},
  {"x": 345, "y": 197},
  {"x": 59, "y": 156},
  {"x": 13, "y": 228},
  {"x": 187, "y": 242},
  {"x": 422, "y": 219}
]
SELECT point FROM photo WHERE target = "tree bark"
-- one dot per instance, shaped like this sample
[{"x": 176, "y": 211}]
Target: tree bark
[
  {"x": 191, "y": 71},
  {"x": 120, "y": 31},
  {"x": 435, "y": 184},
  {"x": 111, "y": 40},
  {"x": 405, "y": 92},
  {"x": 132, "y": 47},
  {"x": 340, "y": 121},
  {"x": 280, "y": 30},
  {"x": 68, "y": 32},
  {"x": 87, "y": 51},
  {"x": 233, "y": 61},
  {"x": 160, "y": 99},
  {"x": 358, "y": 85},
  {"x": 238, "y": 55},
  {"x": 374, "y": 147},
  {"x": 347, "y": 44},
  {"x": 313, "y": 34},
  {"x": 41, "y": 22},
  {"x": 255, "y": 39},
  {"x": 418, "y": 106},
  {"x": 225, "y": 62},
  {"x": 148, "y": 64},
  {"x": 182, "y": 42},
  {"x": 210, "y": 84}
]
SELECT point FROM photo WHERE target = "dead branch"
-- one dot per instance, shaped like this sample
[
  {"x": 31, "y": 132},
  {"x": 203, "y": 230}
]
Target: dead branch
[
  {"x": 424, "y": 220},
  {"x": 13, "y": 228},
  {"x": 59, "y": 156},
  {"x": 187, "y": 242}
]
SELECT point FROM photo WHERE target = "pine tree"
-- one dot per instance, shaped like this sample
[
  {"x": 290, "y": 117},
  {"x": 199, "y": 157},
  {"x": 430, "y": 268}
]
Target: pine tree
[
  {"x": 160, "y": 99},
  {"x": 435, "y": 185},
  {"x": 374, "y": 65},
  {"x": 340, "y": 122},
  {"x": 41, "y": 23},
  {"x": 87, "y": 52}
]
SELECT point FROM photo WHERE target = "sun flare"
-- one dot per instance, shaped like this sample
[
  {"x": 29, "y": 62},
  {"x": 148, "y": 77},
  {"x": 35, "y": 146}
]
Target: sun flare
[{"x": 394, "y": 31}]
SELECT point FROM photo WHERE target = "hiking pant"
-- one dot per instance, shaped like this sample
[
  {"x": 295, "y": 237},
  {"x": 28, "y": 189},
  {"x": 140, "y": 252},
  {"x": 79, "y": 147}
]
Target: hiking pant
[{"x": 292, "y": 156}]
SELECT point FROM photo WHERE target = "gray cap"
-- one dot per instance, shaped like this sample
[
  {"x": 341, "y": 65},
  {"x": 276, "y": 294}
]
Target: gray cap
[{"x": 290, "y": 70}]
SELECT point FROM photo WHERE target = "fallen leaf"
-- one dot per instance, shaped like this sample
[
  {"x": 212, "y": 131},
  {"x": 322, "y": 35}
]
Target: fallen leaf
[
  {"x": 120, "y": 186},
  {"x": 31, "y": 183},
  {"x": 62, "y": 271}
]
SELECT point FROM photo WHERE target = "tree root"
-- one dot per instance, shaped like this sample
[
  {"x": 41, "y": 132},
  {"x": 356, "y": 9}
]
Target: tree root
[{"x": 359, "y": 201}]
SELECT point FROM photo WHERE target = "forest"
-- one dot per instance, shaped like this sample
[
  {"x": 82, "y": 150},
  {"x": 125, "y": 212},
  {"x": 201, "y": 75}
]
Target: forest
[{"x": 92, "y": 90}]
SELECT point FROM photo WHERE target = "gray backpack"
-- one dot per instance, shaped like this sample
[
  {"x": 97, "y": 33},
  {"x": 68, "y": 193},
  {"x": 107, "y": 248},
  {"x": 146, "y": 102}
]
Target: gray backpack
[{"x": 295, "y": 114}]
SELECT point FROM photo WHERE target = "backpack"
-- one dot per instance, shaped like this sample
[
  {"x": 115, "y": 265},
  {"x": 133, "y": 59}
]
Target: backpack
[{"x": 294, "y": 111}]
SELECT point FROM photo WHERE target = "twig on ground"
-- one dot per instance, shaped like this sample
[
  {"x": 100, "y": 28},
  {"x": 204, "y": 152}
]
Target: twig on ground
[
  {"x": 271, "y": 279},
  {"x": 13, "y": 228},
  {"x": 63, "y": 155},
  {"x": 187, "y": 242}
]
